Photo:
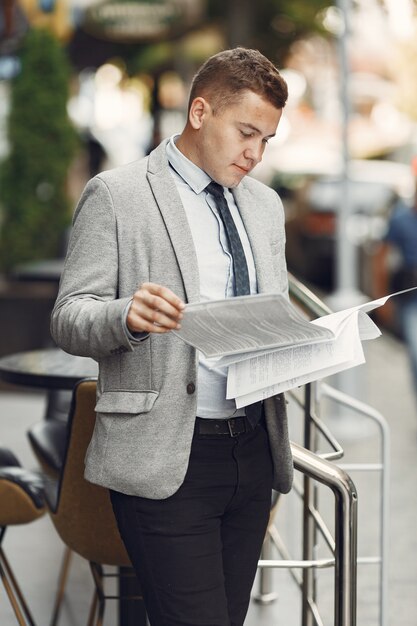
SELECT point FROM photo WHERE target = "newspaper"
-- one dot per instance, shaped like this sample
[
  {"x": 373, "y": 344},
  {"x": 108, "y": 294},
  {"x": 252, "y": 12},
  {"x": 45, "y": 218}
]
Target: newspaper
[
  {"x": 269, "y": 347},
  {"x": 247, "y": 324}
]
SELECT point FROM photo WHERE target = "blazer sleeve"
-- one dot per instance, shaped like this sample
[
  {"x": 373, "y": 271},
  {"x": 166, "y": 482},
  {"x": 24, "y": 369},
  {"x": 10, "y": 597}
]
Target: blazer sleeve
[{"x": 88, "y": 316}]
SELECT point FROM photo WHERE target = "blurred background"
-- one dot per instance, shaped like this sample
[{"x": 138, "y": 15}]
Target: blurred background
[{"x": 86, "y": 85}]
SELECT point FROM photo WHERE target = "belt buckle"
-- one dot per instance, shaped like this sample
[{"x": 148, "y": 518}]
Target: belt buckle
[{"x": 230, "y": 424}]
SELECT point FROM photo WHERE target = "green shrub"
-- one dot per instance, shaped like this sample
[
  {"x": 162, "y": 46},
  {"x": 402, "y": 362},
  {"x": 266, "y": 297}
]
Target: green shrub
[{"x": 34, "y": 203}]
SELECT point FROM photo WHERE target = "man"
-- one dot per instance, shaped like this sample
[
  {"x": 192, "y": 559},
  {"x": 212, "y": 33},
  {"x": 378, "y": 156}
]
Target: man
[
  {"x": 190, "y": 476},
  {"x": 402, "y": 235}
]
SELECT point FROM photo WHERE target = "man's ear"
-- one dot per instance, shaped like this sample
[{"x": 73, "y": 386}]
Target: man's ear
[{"x": 198, "y": 110}]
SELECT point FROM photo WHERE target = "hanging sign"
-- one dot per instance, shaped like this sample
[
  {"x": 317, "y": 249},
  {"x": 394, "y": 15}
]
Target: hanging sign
[{"x": 134, "y": 20}]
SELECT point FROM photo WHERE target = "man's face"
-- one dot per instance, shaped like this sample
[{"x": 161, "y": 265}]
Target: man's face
[{"x": 232, "y": 141}]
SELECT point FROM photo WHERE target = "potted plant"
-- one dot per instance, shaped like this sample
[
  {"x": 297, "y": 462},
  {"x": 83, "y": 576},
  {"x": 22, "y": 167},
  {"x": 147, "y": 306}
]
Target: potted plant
[
  {"x": 34, "y": 204},
  {"x": 35, "y": 208}
]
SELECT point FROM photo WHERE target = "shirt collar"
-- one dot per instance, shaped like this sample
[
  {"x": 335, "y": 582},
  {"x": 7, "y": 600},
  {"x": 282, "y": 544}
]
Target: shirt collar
[{"x": 193, "y": 175}]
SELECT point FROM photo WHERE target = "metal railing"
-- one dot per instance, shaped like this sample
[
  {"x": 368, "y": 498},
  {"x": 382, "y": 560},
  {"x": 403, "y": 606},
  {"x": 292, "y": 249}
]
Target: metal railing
[
  {"x": 383, "y": 468},
  {"x": 321, "y": 468}
]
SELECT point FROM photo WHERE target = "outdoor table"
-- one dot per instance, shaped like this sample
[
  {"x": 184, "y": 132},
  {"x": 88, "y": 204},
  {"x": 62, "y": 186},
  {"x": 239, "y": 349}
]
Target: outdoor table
[
  {"x": 49, "y": 368},
  {"x": 52, "y": 368}
]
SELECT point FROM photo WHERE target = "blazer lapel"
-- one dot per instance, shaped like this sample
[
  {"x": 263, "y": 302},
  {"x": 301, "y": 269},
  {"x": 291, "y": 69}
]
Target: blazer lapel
[
  {"x": 173, "y": 214},
  {"x": 257, "y": 233}
]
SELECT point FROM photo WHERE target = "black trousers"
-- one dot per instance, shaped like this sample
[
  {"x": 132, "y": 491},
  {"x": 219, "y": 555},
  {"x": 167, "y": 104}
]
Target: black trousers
[{"x": 196, "y": 552}]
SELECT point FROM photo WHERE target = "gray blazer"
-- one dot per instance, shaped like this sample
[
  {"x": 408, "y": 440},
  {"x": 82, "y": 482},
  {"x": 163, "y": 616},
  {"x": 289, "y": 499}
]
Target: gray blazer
[{"x": 130, "y": 227}]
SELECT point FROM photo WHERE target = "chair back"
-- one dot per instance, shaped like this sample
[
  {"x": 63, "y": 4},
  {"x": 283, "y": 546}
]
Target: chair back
[
  {"x": 21, "y": 492},
  {"x": 83, "y": 515}
]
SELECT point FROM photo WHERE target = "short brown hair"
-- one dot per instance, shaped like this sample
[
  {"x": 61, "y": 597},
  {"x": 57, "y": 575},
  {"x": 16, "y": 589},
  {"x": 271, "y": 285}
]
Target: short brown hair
[{"x": 224, "y": 76}]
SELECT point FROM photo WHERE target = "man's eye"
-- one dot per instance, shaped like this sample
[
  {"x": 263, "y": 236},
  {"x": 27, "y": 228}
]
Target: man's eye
[{"x": 246, "y": 135}]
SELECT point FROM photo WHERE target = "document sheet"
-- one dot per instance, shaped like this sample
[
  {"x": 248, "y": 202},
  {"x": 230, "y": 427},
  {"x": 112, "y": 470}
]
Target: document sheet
[{"x": 269, "y": 347}]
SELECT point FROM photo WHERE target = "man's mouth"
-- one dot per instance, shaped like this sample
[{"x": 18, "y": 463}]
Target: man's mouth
[{"x": 245, "y": 170}]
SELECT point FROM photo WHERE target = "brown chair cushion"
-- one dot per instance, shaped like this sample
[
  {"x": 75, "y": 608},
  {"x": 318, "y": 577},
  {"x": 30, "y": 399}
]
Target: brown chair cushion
[{"x": 21, "y": 496}]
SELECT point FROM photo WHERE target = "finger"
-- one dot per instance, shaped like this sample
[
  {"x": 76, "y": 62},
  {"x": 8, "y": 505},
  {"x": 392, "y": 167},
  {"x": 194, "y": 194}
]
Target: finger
[
  {"x": 138, "y": 323},
  {"x": 149, "y": 327},
  {"x": 155, "y": 309},
  {"x": 156, "y": 317},
  {"x": 147, "y": 290},
  {"x": 153, "y": 298}
]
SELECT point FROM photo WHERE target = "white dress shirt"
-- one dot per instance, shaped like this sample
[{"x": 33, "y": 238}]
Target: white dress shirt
[{"x": 215, "y": 267}]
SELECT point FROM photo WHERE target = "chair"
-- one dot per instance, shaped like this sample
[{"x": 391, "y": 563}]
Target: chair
[
  {"x": 80, "y": 511},
  {"x": 48, "y": 440},
  {"x": 21, "y": 502},
  {"x": 48, "y": 437}
]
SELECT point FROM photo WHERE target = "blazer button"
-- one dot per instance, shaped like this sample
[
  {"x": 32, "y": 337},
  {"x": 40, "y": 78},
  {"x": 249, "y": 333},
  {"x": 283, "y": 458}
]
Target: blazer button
[{"x": 190, "y": 388}]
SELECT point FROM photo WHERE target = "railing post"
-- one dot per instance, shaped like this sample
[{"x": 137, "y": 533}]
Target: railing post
[
  {"x": 346, "y": 515},
  {"x": 266, "y": 593},
  {"x": 308, "y": 534},
  {"x": 345, "y": 532}
]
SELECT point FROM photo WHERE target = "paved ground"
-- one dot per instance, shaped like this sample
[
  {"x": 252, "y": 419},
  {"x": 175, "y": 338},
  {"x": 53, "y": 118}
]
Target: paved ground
[{"x": 384, "y": 382}]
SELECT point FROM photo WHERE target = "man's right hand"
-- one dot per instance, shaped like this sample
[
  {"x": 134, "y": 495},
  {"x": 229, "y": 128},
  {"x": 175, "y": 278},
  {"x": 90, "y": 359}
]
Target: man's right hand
[{"x": 154, "y": 309}]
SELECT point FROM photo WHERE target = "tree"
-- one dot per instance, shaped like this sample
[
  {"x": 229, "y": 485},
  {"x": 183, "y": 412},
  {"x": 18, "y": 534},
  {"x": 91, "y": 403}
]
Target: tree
[{"x": 33, "y": 198}]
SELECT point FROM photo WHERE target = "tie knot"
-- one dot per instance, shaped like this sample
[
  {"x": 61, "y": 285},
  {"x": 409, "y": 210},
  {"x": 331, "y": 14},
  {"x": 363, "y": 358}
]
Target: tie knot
[{"x": 215, "y": 189}]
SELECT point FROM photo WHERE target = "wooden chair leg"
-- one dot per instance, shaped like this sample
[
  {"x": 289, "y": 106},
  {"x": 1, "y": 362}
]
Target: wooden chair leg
[
  {"x": 99, "y": 595},
  {"x": 63, "y": 577},
  {"x": 93, "y": 609},
  {"x": 14, "y": 593},
  {"x": 96, "y": 617},
  {"x": 100, "y": 616}
]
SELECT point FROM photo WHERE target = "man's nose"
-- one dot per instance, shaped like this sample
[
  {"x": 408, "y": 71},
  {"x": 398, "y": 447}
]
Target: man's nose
[{"x": 255, "y": 152}]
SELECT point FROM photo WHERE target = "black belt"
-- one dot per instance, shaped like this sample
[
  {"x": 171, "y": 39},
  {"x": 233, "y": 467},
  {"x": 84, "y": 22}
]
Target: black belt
[{"x": 231, "y": 427}]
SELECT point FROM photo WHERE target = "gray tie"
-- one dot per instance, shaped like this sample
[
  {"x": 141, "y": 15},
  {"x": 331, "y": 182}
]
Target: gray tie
[{"x": 240, "y": 267}]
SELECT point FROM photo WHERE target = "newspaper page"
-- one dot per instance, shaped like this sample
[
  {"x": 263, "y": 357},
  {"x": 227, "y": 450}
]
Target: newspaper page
[
  {"x": 247, "y": 324},
  {"x": 259, "y": 378}
]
